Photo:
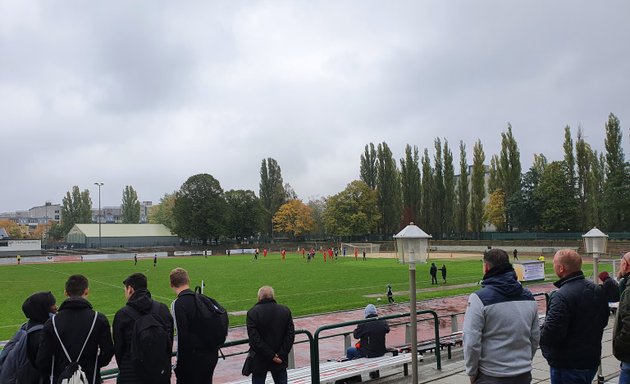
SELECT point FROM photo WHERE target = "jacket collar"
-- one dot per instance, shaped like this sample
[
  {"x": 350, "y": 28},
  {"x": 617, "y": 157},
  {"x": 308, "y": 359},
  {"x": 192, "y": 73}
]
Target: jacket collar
[
  {"x": 266, "y": 301},
  {"x": 75, "y": 303},
  {"x": 579, "y": 275}
]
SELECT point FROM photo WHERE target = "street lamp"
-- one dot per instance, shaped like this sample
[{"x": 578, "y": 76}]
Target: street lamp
[
  {"x": 99, "y": 185},
  {"x": 595, "y": 242},
  {"x": 412, "y": 242}
]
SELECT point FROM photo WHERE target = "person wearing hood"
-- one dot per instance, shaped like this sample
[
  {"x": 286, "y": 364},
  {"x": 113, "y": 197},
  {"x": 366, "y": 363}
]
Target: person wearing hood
[
  {"x": 501, "y": 330},
  {"x": 611, "y": 287},
  {"x": 371, "y": 336},
  {"x": 37, "y": 308},
  {"x": 139, "y": 301}
]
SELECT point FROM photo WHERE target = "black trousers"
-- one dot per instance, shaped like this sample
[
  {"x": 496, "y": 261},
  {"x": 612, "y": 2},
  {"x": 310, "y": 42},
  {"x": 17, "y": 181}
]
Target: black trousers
[{"x": 199, "y": 369}]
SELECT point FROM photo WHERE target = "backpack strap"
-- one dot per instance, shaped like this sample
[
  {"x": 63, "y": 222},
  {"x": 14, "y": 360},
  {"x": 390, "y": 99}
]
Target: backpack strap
[
  {"x": 84, "y": 343},
  {"x": 175, "y": 338},
  {"x": 34, "y": 328}
]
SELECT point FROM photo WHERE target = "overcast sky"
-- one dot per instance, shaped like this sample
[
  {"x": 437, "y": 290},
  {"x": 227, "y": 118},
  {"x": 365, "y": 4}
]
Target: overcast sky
[{"x": 149, "y": 93}]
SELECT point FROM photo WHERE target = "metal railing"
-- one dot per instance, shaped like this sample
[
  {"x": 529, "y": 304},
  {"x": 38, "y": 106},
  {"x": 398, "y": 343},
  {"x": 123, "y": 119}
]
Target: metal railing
[
  {"x": 112, "y": 373},
  {"x": 315, "y": 374}
]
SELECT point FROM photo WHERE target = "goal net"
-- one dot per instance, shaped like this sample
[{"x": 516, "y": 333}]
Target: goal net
[{"x": 347, "y": 249}]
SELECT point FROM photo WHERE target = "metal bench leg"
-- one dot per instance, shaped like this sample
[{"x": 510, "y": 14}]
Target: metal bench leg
[
  {"x": 449, "y": 351},
  {"x": 405, "y": 370}
]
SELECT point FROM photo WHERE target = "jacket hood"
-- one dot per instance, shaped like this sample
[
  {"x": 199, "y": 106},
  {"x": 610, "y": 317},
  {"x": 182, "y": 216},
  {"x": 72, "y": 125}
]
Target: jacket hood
[
  {"x": 37, "y": 306},
  {"x": 503, "y": 279},
  {"x": 75, "y": 303},
  {"x": 141, "y": 301}
]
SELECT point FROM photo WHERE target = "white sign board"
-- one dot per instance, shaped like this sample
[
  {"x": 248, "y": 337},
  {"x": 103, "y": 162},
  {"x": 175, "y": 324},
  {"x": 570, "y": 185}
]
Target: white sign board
[{"x": 530, "y": 270}]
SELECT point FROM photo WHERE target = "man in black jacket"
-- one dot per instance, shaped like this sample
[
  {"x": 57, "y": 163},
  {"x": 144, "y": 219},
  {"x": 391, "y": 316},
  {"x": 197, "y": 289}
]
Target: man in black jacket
[
  {"x": 271, "y": 334},
  {"x": 571, "y": 337},
  {"x": 371, "y": 336},
  {"x": 73, "y": 322},
  {"x": 139, "y": 302},
  {"x": 195, "y": 362}
]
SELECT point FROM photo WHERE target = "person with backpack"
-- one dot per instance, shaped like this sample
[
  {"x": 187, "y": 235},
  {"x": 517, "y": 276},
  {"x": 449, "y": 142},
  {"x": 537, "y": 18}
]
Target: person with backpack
[
  {"x": 271, "y": 335},
  {"x": 76, "y": 342},
  {"x": 18, "y": 358},
  {"x": 201, "y": 326},
  {"x": 143, "y": 336}
]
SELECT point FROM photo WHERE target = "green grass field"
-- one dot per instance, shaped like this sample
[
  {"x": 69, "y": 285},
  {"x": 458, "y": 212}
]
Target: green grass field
[{"x": 306, "y": 288}]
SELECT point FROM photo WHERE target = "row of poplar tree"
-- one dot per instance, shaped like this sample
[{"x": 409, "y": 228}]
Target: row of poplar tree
[{"x": 583, "y": 190}]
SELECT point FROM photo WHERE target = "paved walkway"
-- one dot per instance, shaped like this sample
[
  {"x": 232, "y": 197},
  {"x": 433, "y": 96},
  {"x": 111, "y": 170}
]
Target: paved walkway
[{"x": 453, "y": 371}]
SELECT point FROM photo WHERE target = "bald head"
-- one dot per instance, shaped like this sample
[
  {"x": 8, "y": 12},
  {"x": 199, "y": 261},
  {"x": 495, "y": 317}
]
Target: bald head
[
  {"x": 566, "y": 262},
  {"x": 624, "y": 266},
  {"x": 265, "y": 292}
]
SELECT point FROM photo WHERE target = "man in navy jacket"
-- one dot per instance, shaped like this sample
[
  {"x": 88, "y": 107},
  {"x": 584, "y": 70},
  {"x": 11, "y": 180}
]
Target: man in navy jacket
[{"x": 571, "y": 338}]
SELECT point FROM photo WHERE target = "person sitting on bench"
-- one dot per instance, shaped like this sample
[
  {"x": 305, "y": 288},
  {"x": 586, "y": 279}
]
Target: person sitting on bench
[{"x": 371, "y": 337}]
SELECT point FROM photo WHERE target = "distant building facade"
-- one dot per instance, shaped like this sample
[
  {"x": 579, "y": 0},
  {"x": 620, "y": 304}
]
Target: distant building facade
[{"x": 120, "y": 235}]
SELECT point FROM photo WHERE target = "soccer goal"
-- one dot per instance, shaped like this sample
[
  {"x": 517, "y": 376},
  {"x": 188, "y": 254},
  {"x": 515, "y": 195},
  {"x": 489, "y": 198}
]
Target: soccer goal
[{"x": 347, "y": 249}]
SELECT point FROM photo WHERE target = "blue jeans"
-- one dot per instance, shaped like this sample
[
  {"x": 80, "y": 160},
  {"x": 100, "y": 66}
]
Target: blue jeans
[
  {"x": 353, "y": 353},
  {"x": 279, "y": 377},
  {"x": 572, "y": 376},
  {"x": 624, "y": 375}
]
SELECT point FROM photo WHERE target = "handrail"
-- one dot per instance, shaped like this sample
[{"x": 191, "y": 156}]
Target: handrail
[
  {"x": 113, "y": 372},
  {"x": 546, "y": 298},
  {"x": 315, "y": 374}
]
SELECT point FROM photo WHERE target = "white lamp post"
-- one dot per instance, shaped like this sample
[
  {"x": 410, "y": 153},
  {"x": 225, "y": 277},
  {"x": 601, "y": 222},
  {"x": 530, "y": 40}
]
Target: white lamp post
[
  {"x": 99, "y": 185},
  {"x": 412, "y": 242},
  {"x": 595, "y": 242}
]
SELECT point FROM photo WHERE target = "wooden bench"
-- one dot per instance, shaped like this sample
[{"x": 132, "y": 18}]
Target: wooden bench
[
  {"x": 332, "y": 371},
  {"x": 452, "y": 340}
]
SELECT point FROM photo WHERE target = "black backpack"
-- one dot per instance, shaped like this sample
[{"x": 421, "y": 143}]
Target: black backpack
[
  {"x": 14, "y": 364},
  {"x": 151, "y": 344},
  {"x": 211, "y": 323}
]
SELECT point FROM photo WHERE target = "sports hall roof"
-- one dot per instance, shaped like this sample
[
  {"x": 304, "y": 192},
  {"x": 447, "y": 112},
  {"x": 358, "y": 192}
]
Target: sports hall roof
[{"x": 123, "y": 230}]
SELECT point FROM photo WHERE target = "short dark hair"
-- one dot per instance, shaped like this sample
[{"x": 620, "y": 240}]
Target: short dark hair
[
  {"x": 495, "y": 257},
  {"x": 76, "y": 285},
  {"x": 136, "y": 281}
]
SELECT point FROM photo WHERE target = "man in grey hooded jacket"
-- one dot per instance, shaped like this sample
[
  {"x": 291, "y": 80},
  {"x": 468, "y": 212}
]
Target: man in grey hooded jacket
[{"x": 501, "y": 330}]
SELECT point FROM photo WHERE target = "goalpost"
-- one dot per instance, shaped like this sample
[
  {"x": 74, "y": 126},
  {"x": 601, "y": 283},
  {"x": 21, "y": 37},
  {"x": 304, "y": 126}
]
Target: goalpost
[{"x": 369, "y": 248}]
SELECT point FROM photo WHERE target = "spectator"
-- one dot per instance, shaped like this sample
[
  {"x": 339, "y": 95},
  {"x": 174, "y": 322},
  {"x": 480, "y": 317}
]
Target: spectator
[
  {"x": 571, "y": 337},
  {"x": 195, "y": 363},
  {"x": 621, "y": 334},
  {"x": 433, "y": 272},
  {"x": 501, "y": 314},
  {"x": 611, "y": 287},
  {"x": 515, "y": 252},
  {"x": 37, "y": 308},
  {"x": 271, "y": 334},
  {"x": 624, "y": 272},
  {"x": 74, "y": 324},
  {"x": 371, "y": 336},
  {"x": 139, "y": 302}
]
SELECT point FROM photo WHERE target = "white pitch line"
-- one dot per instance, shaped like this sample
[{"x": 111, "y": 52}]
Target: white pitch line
[{"x": 97, "y": 281}]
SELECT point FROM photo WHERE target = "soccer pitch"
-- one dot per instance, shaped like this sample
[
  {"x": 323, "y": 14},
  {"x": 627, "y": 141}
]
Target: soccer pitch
[{"x": 305, "y": 287}]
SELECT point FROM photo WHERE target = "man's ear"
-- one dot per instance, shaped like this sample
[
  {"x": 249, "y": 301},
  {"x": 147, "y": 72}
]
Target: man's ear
[
  {"x": 86, "y": 292},
  {"x": 65, "y": 293}
]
